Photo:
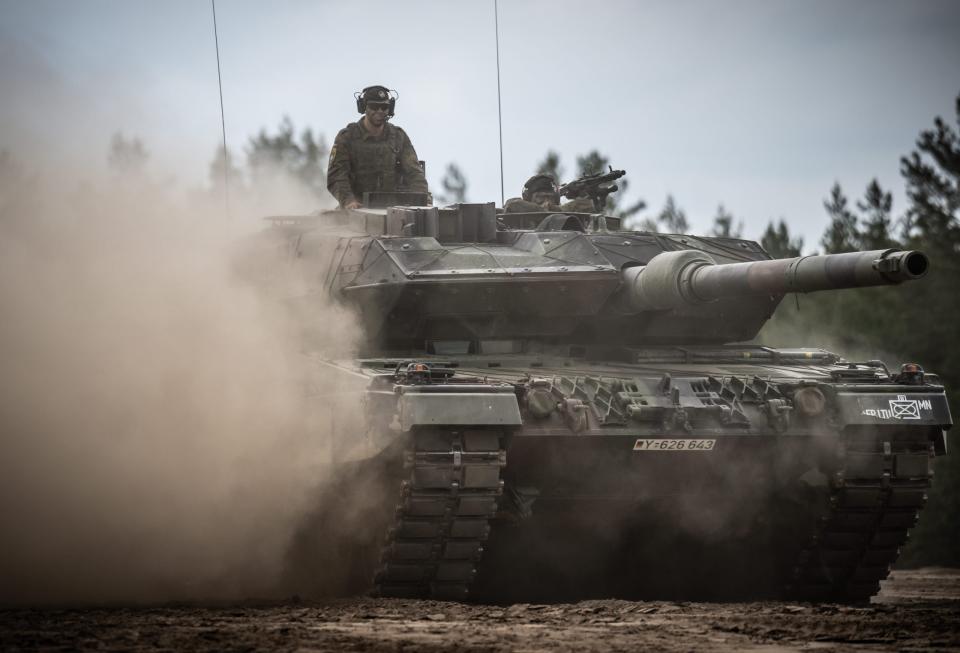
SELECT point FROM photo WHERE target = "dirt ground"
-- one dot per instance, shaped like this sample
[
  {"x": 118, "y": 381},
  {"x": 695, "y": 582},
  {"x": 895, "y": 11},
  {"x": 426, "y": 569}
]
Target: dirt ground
[{"x": 916, "y": 610}]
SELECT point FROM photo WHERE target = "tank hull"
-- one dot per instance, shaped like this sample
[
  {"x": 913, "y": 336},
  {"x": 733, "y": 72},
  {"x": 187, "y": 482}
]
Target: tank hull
[{"x": 483, "y": 491}]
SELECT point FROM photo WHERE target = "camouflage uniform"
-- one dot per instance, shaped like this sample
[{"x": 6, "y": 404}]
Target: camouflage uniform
[
  {"x": 361, "y": 162},
  {"x": 578, "y": 205},
  {"x": 520, "y": 205}
]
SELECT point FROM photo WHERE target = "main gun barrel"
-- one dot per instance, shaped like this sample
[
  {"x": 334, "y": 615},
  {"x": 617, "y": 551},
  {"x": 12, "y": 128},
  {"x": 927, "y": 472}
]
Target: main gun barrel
[{"x": 691, "y": 277}]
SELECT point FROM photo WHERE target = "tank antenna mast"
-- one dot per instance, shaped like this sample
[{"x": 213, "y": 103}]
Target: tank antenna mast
[
  {"x": 223, "y": 123},
  {"x": 496, "y": 30}
]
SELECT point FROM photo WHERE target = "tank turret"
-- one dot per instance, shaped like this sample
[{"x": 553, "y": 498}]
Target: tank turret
[
  {"x": 468, "y": 274},
  {"x": 692, "y": 277}
]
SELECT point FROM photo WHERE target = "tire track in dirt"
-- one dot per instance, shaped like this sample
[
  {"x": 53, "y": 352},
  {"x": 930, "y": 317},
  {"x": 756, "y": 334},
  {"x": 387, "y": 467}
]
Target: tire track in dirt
[{"x": 917, "y": 610}]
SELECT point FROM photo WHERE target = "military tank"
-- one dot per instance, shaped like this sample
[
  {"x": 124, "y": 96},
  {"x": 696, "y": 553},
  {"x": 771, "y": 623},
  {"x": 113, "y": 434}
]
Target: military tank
[{"x": 560, "y": 409}]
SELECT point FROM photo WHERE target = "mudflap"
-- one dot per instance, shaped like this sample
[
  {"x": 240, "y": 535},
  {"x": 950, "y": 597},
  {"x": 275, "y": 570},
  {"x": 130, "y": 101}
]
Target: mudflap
[
  {"x": 411, "y": 522},
  {"x": 443, "y": 510}
]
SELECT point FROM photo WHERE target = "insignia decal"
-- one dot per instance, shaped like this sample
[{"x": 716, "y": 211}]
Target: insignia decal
[
  {"x": 382, "y": 94},
  {"x": 900, "y": 408}
]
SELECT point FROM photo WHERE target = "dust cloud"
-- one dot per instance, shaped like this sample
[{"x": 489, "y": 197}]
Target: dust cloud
[
  {"x": 162, "y": 433},
  {"x": 787, "y": 329}
]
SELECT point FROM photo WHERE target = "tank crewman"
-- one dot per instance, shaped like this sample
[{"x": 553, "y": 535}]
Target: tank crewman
[
  {"x": 540, "y": 193},
  {"x": 371, "y": 154}
]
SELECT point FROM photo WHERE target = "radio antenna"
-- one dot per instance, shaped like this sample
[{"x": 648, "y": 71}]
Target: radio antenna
[
  {"x": 496, "y": 30},
  {"x": 223, "y": 123}
]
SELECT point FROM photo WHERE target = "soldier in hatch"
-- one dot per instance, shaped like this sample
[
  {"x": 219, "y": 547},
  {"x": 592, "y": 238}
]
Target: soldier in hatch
[
  {"x": 371, "y": 154},
  {"x": 540, "y": 193}
]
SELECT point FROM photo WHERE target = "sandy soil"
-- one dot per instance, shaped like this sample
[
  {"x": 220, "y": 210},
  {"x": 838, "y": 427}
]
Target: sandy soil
[{"x": 916, "y": 610}]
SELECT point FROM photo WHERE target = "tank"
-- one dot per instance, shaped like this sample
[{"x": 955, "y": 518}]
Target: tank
[{"x": 559, "y": 409}]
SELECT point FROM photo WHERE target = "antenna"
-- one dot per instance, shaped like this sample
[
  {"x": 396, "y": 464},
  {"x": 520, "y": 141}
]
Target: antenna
[
  {"x": 223, "y": 123},
  {"x": 496, "y": 30}
]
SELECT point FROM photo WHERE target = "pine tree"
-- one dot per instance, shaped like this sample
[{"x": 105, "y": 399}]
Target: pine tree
[
  {"x": 551, "y": 166},
  {"x": 312, "y": 170},
  {"x": 723, "y": 224},
  {"x": 777, "y": 241},
  {"x": 932, "y": 175},
  {"x": 591, "y": 163},
  {"x": 454, "y": 186},
  {"x": 841, "y": 234},
  {"x": 303, "y": 160},
  {"x": 876, "y": 204},
  {"x": 672, "y": 218}
]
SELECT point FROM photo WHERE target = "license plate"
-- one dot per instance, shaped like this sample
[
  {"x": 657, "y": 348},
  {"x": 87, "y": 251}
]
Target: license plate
[{"x": 648, "y": 444}]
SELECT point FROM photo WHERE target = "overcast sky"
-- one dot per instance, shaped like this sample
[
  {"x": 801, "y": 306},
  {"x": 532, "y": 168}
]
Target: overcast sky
[{"x": 757, "y": 105}]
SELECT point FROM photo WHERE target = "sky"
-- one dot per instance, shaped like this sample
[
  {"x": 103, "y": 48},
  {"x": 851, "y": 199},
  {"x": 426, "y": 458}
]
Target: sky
[{"x": 758, "y": 105}]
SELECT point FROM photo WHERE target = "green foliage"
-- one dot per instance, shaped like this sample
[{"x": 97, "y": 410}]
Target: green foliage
[
  {"x": 304, "y": 159},
  {"x": 841, "y": 235},
  {"x": 454, "y": 186},
  {"x": 671, "y": 219},
  {"x": 876, "y": 205},
  {"x": 591, "y": 163},
  {"x": 777, "y": 241},
  {"x": 551, "y": 166},
  {"x": 628, "y": 211},
  {"x": 723, "y": 224},
  {"x": 932, "y": 174}
]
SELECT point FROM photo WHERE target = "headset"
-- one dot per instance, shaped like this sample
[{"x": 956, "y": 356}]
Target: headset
[
  {"x": 388, "y": 94},
  {"x": 528, "y": 192}
]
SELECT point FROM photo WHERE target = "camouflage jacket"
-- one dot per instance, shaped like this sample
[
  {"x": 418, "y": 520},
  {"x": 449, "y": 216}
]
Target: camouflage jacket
[
  {"x": 361, "y": 162},
  {"x": 518, "y": 205}
]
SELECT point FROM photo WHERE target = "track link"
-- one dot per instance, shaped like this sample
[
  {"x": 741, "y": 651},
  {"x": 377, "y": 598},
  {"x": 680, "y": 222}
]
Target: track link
[
  {"x": 443, "y": 515},
  {"x": 875, "y": 498}
]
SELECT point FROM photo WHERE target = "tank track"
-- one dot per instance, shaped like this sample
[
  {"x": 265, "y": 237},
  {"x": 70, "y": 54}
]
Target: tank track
[
  {"x": 443, "y": 517},
  {"x": 875, "y": 498}
]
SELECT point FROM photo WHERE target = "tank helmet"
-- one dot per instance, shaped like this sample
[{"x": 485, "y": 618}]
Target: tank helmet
[
  {"x": 540, "y": 183},
  {"x": 376, "y": 95}
]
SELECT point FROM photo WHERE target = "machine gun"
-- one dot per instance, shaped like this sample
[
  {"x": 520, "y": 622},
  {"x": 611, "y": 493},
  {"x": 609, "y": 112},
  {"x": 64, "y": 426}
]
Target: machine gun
[{"x": 595, "y": 186}]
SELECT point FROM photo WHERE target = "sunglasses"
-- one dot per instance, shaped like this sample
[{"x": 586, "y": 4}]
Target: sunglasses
[{"x": 378, "y": 107}]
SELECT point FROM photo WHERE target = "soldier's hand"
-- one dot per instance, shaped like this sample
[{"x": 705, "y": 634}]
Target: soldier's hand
[{"x": 352, "y": 204}]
